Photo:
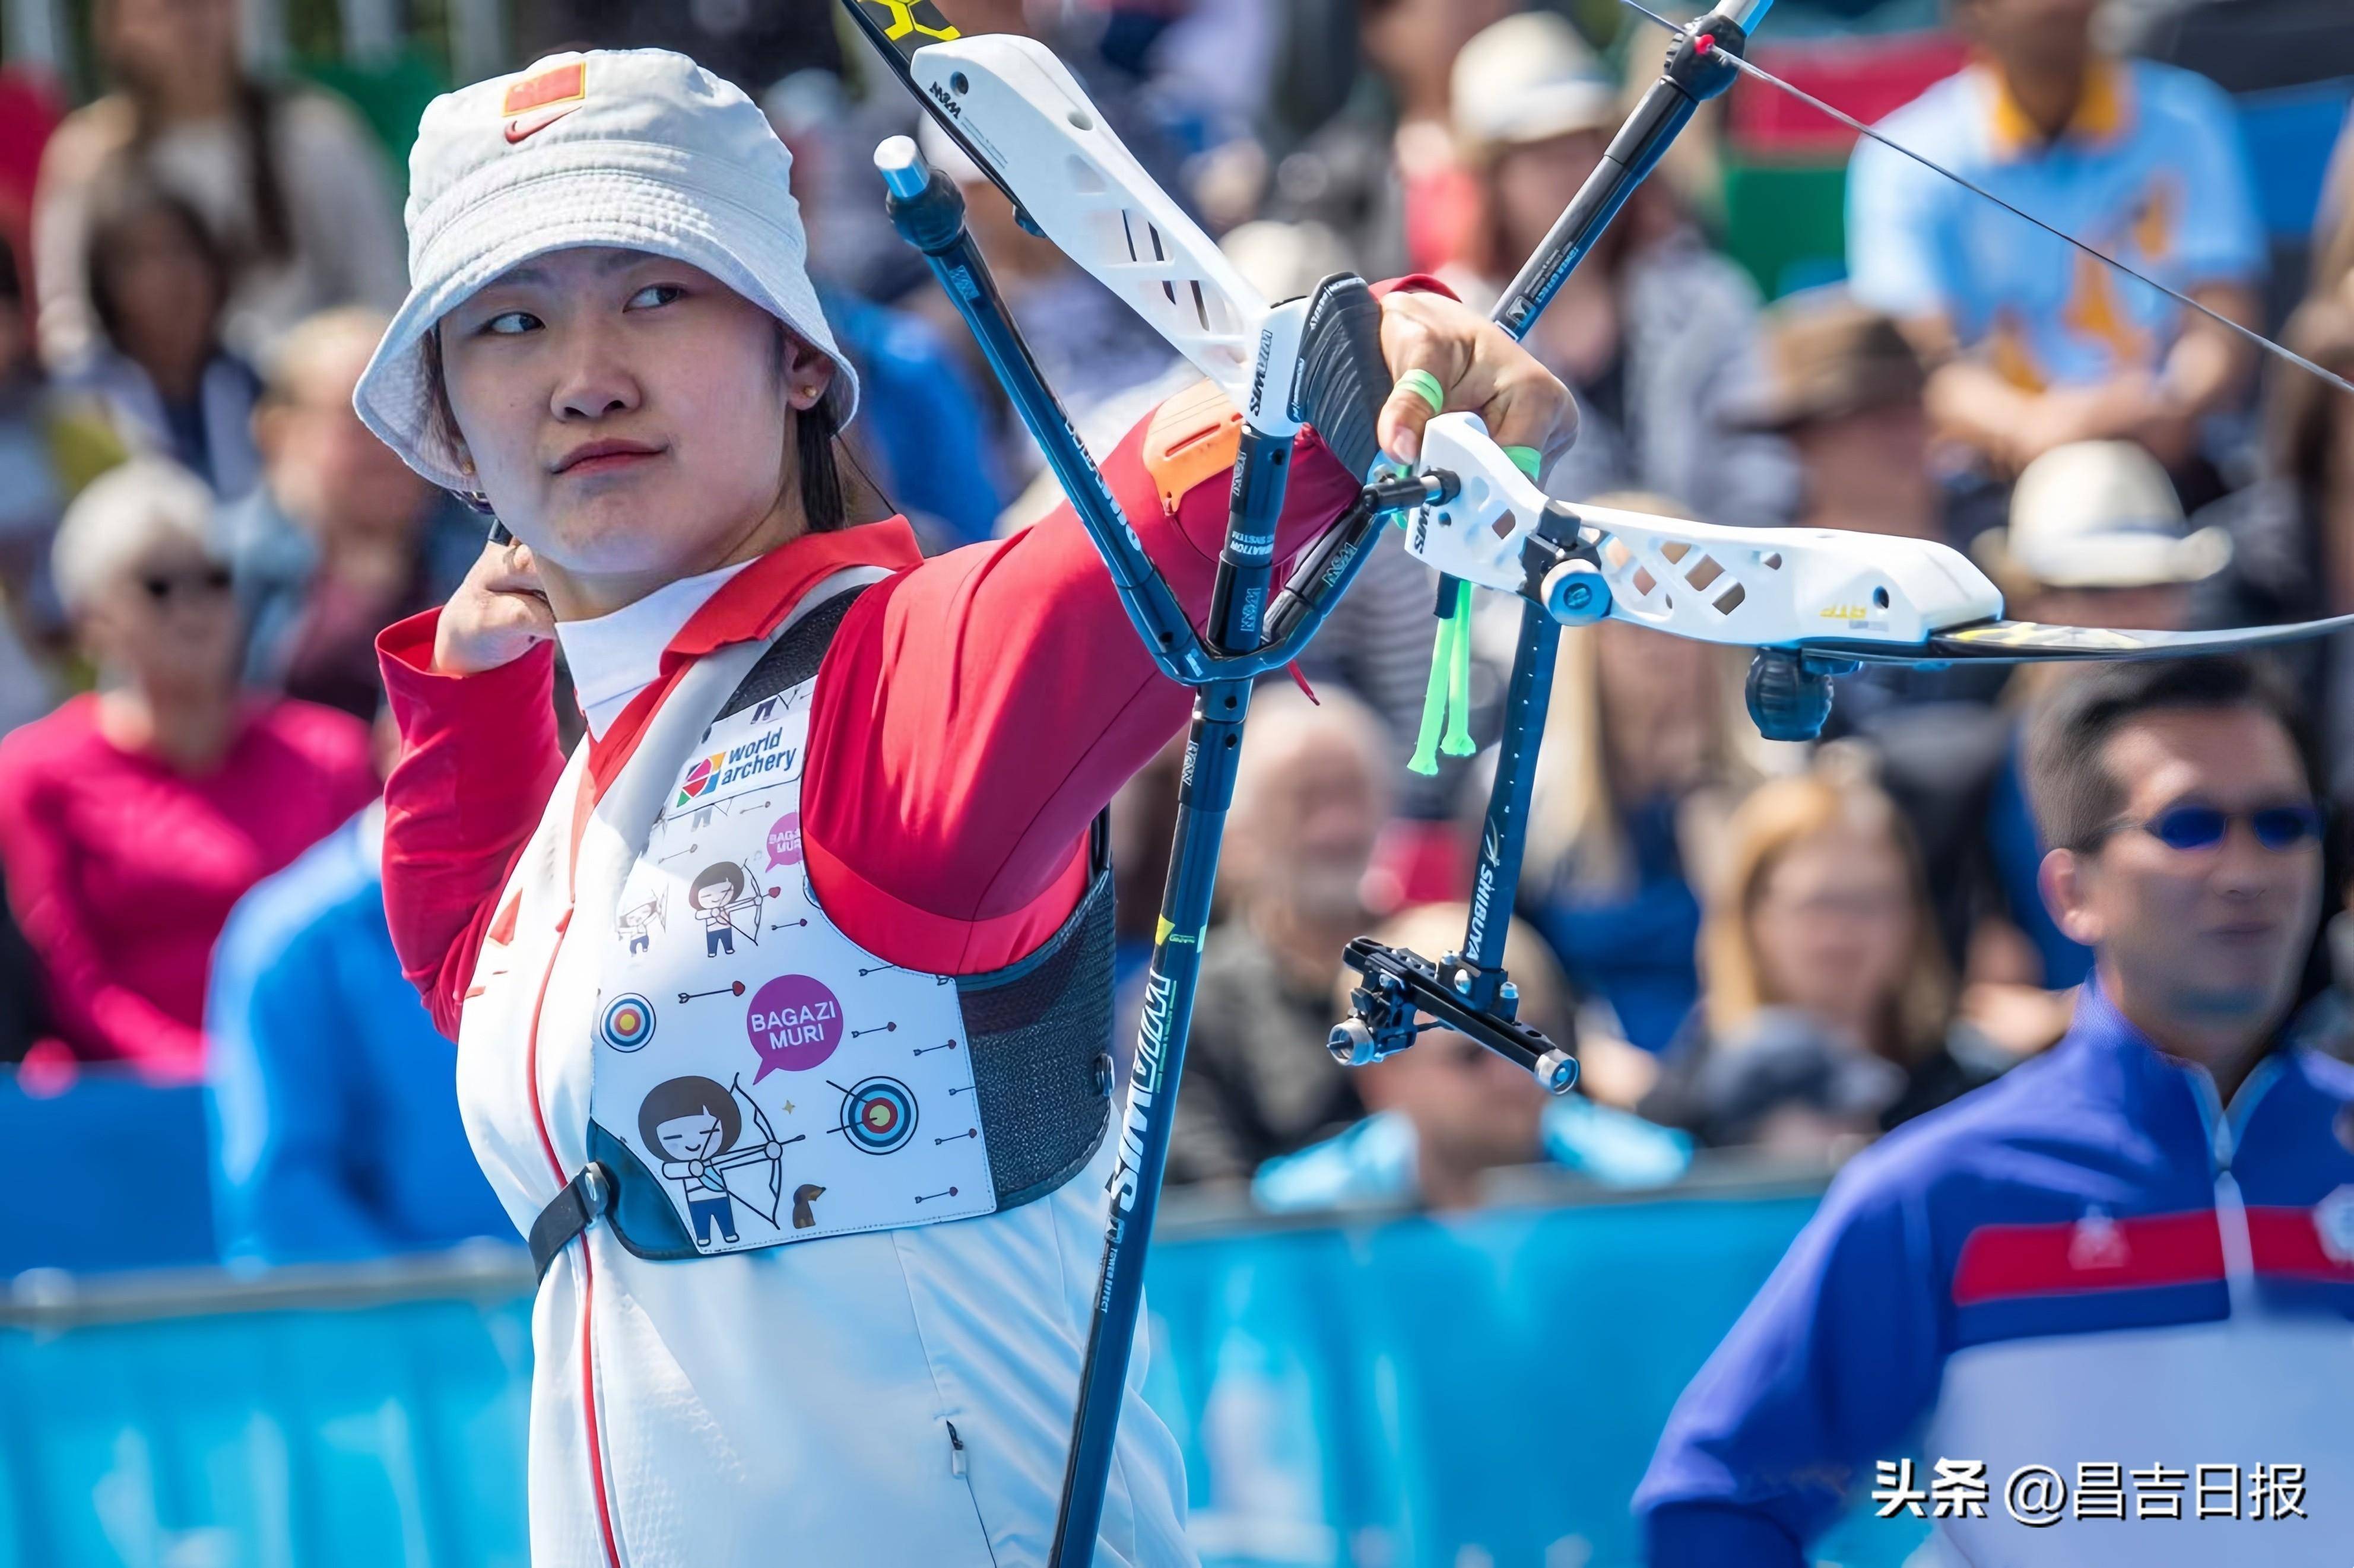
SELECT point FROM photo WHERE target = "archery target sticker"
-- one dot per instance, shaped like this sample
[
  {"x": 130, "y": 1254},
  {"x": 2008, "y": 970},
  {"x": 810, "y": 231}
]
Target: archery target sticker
[
  {"x": 878, "y": 1115},
  {"x": 626, "y": 1022}
]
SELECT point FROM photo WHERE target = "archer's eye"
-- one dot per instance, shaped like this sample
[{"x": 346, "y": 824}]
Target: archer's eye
[{"x": 654, "y": 294}]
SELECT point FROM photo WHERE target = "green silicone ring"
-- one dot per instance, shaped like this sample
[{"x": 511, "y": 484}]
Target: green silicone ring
[
  {"x": 1424, "y": 383},
  {"x": 1528, "y": 460}
]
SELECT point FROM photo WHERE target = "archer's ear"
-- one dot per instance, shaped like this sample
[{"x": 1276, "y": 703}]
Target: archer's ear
[
  {"x": 809, "y": 371},
  {"x": 2064, "y": 879}
]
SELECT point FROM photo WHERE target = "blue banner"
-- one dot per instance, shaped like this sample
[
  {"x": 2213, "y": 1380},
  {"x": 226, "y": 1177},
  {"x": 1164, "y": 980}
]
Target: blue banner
[{"x": 1473, "y": 1392}]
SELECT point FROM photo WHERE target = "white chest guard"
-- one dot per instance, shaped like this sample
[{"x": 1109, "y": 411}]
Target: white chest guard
[{"x": 760, "y": 1078}]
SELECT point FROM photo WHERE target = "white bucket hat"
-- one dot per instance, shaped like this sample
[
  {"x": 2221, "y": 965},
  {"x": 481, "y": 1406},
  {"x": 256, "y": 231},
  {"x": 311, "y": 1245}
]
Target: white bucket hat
[
  {"x": 2099, "y": 514},
  {"x": 1528, "y": 78},
  {"x": 641, "y": 149}
]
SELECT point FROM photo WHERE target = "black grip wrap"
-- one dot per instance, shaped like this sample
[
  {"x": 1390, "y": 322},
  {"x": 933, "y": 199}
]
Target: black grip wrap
[{"x": 1343, "y": 379}]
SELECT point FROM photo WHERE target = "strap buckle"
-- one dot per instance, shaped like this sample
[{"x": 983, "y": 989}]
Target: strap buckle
[{"x": 568, "y": 1213}]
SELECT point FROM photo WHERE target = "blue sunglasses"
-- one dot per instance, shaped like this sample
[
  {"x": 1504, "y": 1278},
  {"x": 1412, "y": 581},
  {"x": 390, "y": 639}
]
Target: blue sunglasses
[{"x": 2277, "y": 828}]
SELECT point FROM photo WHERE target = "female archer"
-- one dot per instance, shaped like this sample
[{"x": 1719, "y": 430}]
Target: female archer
[{"x": 611, "y": 341}]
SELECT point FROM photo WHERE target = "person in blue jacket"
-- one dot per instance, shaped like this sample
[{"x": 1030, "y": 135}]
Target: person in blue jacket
[
  {"x": 2097, "y": 1312},
  {"x": 332, "y": 1099},
  {"x": 929, "y": 443}
]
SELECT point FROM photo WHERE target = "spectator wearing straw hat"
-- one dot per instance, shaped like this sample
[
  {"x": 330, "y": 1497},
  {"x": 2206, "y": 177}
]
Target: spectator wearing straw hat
[
  {"x": 1656, "y": 334},
  {"x": 1845, "y": 388}
]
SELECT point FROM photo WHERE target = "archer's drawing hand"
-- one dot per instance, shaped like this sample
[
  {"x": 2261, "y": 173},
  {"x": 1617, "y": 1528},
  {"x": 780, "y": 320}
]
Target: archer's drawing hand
[
  {"x": 498, "y": 614},
  {"x": 1481, "y": 368}
]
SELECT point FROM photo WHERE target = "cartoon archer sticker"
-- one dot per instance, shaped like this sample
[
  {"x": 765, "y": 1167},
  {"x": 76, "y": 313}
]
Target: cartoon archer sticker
[
  {"x": 696, "y": 1122},
  {"x": 638, "y": 920},
  {"x": 720, "y": 893}
]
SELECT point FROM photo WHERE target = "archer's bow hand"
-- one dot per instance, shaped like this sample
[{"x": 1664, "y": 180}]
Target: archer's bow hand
[{"x": 1478, "y": 367}]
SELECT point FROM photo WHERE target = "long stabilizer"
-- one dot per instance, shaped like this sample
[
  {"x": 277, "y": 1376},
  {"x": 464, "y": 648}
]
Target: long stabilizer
[{"x": 2028, "y": 642}]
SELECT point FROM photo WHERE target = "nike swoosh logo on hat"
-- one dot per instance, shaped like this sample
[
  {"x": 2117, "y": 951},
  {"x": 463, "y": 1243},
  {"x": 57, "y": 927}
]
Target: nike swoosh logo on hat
[{"x": 524, "y": 126}]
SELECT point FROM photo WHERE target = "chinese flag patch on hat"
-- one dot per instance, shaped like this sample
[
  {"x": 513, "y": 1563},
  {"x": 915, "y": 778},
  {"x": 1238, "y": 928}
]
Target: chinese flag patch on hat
[{"x": 538, "y": 102}]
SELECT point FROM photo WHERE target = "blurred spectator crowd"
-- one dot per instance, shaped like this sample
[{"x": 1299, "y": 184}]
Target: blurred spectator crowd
[{"x": 1756, "y": 946}]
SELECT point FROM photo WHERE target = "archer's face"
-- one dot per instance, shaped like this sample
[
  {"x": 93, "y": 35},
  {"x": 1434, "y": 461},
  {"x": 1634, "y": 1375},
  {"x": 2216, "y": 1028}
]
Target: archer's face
[{"x": 606, "y": 345}]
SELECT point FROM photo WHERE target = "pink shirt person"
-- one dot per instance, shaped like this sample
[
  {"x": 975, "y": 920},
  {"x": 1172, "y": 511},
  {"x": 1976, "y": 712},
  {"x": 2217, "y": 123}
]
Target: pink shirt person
[{"x": 132, "y": 819}]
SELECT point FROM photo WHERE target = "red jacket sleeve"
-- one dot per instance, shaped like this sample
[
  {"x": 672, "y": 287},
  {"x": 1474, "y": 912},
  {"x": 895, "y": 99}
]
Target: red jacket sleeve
[
  {"x": 975, "y": 713},
  {"x": 478, "y": 761}
]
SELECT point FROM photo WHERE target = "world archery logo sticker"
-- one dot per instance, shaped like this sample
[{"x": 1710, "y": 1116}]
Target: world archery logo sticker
[
  {"x": 878, "y": 1115},
  {"x": 701, "y": 779},
  {"x": 626, "y": 1022}
]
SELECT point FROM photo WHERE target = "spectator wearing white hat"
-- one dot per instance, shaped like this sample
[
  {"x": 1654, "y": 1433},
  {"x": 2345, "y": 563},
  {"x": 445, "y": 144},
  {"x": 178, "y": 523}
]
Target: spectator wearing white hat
[
  {"x": 2095, "y": 537},
  {"x": 838, "y": 808},
  {"x": 1656, "y": 334}
]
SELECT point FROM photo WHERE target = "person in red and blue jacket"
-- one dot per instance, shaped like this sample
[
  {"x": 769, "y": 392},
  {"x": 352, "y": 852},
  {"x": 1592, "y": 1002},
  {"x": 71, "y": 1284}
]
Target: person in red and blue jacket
[{"x": 2131, "y": 1260}]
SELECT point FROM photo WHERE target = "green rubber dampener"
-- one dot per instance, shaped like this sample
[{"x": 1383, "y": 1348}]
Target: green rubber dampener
[{"x": 1427, "y": 384}]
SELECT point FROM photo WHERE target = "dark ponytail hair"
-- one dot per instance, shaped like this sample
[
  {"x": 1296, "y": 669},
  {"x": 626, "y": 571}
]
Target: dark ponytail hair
[
  {"x": 273, "y": 224},
  {"x": 825, "y": 501}
]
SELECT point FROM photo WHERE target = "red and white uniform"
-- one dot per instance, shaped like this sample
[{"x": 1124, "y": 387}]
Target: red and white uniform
[{"x": 972, "y": 714}]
